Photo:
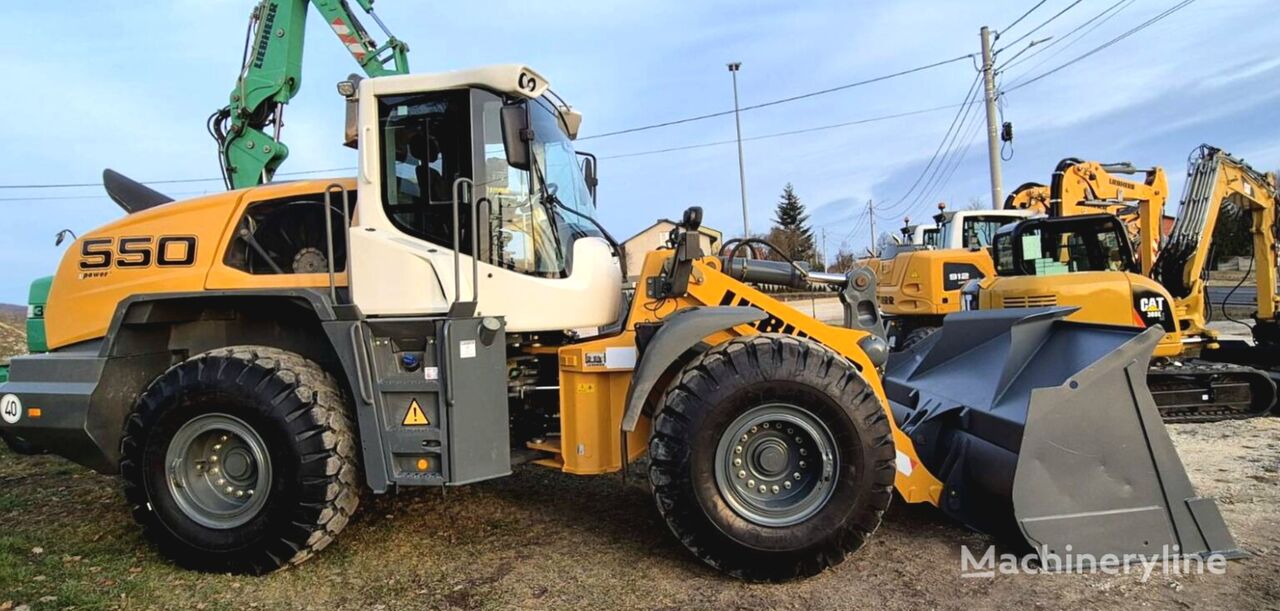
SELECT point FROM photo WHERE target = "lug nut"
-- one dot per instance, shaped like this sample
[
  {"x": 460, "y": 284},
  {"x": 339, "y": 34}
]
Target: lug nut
[
  {"x": 239, "y": 493},
  {"x": 754, "y": 429},
  {"x": 796, "y": 475},
  {"x": 229, "y": 489},
  {"x": 798, "y": 440},
  {"x": 786, "y": 484},
  {"x": 802, "y": 465},
  {"x": 775, "y": 488},
  {"x": 790, "y": 431},
  {"x": 766, "y": 425},
  {"x": 751, "y": 483},
  {"x": 217, "y": 446},
  {"x": 737, "y": 462},
  {"x": 737, "y": 450},
  {"x": 221, "y": 481},
  {"x": 762, "y": 489},
  {"x": 744, "y": 438},
  {"x": 742, "y": 474},
  {"x": 213, "y": 458},
  {"x": 804, "y": 452},
  {"x": 222, "y": 438}
]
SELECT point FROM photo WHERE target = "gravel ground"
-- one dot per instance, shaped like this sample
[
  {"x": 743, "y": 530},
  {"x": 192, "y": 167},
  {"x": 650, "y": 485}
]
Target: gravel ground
[{"x": 541, "y": 539}]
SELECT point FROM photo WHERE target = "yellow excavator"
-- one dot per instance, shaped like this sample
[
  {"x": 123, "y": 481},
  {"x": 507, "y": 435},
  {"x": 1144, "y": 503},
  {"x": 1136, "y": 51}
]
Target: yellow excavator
[
  {"x": 921, "y": 277},
  {"x": 1089, "y": 187},
  {"x": 1088, "y": 262}
]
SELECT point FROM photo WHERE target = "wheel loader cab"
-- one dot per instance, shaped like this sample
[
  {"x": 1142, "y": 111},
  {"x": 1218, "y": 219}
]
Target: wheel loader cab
[{"x": 478, "y": 163}]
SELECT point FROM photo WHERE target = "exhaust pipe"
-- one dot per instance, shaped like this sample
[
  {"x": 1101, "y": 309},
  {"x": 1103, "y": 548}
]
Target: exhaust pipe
[{"x": 1044, "y": 433}]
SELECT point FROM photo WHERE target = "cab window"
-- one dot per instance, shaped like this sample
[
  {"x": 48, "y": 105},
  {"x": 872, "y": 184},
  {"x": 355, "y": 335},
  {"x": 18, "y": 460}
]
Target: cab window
[{"x": 426, "y": 146}]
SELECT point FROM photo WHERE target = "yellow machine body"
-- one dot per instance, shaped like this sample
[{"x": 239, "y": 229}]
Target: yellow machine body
[{"x": 174, "y": 248}]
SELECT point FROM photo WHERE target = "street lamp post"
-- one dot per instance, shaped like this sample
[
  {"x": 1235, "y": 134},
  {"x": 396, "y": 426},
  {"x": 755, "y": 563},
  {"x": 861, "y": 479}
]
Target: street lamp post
[{"x": 742, "y": 171}]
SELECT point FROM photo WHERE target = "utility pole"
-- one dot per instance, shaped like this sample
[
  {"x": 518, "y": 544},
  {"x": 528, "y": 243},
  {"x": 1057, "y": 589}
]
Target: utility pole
[
  {"x": 871, "y": 214},
  {"x": 993, "y": 128},
  {"x": 824, "y": 248},
  {"x": 742, "y": 171}
]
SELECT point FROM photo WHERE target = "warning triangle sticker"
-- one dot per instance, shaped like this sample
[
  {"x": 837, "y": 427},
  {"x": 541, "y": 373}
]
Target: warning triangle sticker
[{"x": 415, "y": 416}]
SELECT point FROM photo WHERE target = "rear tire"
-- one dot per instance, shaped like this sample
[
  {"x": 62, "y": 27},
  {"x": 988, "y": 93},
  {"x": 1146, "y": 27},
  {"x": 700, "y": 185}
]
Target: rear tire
[
  {"x": 916, "y": 336},
  {"x": 719, "y": 425},
  {"x": 241, "y": 460}
]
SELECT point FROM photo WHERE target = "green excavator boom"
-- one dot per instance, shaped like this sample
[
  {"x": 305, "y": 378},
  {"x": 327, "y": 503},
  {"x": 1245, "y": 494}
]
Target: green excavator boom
[{"x": 248, "y": 128}]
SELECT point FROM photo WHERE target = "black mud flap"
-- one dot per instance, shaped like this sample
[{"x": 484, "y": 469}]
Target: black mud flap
[{"x": 1044, "y": 434}]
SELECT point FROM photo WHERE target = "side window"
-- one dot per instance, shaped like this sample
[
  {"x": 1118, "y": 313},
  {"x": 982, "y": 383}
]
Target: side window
[
  {"x": 288, "y": 236},
  {"x": 1005, "y": 265},
  {"x": 426, "y": 146},
  {"x": 521, "y": 232}
]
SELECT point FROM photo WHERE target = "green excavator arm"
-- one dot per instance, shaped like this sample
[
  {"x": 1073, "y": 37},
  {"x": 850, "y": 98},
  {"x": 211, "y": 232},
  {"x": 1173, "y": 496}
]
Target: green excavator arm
[{"x": 248, "y": 128}]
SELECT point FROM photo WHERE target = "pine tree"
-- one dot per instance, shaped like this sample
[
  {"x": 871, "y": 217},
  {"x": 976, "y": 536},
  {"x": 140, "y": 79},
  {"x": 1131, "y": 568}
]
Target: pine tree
[{"x": 791, "y": 230}]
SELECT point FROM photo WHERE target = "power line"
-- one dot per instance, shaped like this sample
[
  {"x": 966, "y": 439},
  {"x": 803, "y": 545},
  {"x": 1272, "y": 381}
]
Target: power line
[
  {"x": 786, "y": 133},
  {"x": 77, "y": 197},
  {"x": 969, "y": 100},
  {"x": 1019, "y": 19},
  {"x": 172, "y": 181},
  {"x": 1144, "y": 25},
  {"x": 781, "y": 100},
  {"x": 1042, "y": 24},
  {"x": 1010, "y": 63},
  {"x": 932, "y": 183}
]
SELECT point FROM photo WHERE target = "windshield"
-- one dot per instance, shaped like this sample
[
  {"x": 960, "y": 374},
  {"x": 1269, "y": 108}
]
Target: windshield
[
  {"x": 980, "y": 231},
  {"x": 1064, "y": 246},
  {"x": 530, "y": 233}
]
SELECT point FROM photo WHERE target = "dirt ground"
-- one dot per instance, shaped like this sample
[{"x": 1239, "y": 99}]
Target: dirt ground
[{"x": 541, "y": 539}]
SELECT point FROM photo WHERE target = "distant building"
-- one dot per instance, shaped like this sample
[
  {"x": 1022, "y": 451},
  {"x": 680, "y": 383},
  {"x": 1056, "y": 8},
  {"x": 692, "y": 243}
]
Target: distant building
[{"x": 655, "y": 236}]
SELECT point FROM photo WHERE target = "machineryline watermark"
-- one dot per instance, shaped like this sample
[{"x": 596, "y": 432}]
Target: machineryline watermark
[{"x": 1168, "y": 562}]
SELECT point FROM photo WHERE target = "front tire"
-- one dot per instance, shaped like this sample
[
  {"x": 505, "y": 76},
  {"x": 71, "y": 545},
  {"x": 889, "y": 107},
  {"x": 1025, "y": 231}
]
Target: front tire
[
  {"x": 241, "y": 460},
  {"x": 771, "y": 458}
]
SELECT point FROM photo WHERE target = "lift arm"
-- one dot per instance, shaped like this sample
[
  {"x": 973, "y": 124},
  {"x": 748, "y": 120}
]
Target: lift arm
[
  {"x": 271, "y": 74},
  {"x": 1089, "y": 187},
  {"x": 1214, "y": 179}
]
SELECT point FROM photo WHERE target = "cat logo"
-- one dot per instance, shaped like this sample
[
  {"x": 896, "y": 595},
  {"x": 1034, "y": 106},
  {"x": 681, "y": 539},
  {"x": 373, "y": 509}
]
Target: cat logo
[{"x": 1151, "y": 307}]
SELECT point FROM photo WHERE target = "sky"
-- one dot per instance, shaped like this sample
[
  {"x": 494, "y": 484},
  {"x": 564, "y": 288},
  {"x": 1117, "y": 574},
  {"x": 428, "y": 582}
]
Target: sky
[{"x": 129, "y": 86}]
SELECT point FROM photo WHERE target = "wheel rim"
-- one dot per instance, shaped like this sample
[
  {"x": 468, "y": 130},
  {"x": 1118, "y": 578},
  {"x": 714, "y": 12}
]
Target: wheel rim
[
  {"x": 776, "y": 465},
  {"x": 219, "y": 471}
]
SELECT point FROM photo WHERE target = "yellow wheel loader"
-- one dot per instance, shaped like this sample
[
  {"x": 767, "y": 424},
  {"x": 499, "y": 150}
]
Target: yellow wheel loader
[
  {"x": 1087, "y": 262},
  {"x": 249, "y": 362}
]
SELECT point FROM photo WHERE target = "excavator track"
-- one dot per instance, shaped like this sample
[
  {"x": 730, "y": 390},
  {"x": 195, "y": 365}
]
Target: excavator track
[{"x": 1206, "y": 391}]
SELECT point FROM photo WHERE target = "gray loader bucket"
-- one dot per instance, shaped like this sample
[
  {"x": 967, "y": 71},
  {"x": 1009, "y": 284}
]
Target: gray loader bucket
[{"x": 1043, "y": 432}]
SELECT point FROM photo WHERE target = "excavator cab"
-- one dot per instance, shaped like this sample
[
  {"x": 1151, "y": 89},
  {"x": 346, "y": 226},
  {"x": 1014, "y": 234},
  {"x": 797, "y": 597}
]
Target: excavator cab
[{"x": 1053, "y": 245}]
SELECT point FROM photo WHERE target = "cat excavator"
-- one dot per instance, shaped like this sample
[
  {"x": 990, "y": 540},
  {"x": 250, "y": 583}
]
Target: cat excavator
[
  {"x": 435, "y": 337},
  {"x": 1088, "y": 262}
]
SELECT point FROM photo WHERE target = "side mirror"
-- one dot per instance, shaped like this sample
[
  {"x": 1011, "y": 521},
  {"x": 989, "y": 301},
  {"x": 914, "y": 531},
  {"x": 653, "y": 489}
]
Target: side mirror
[
  {"x": 516, "y": 136},
  {"x": 349, "y": 89},
  {"x": 589, "y": 174}
]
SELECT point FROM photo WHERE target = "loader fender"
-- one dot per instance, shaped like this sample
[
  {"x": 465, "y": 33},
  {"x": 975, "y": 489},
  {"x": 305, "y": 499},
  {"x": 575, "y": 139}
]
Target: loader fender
[{"x": 679, "y": 332}]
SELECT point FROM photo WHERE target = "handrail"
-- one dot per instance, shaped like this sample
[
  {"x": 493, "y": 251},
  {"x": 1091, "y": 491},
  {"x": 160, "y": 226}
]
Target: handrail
[
  {"x": 328, "y": 232},
  {"x": 457, "y": 242}
]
